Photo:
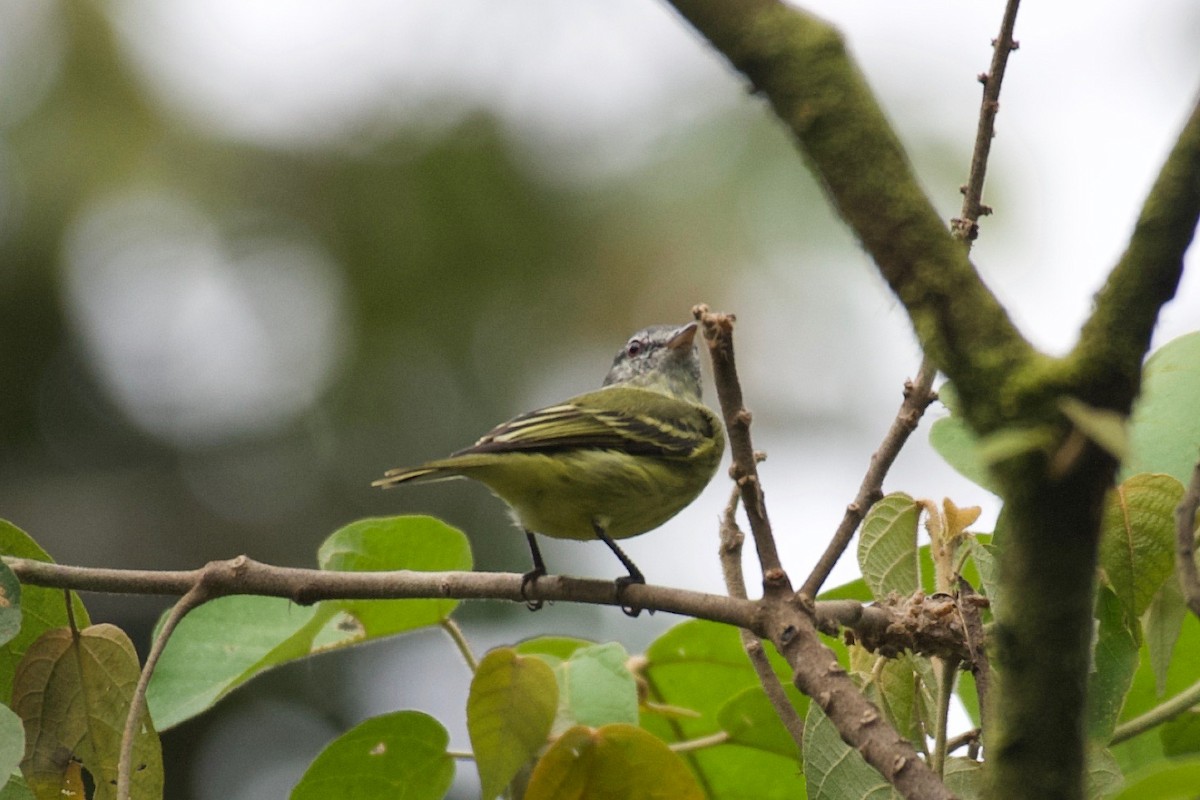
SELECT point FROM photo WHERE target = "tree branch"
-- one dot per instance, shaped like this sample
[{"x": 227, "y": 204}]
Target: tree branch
[
  {"x": 918, "y": 394},
  {"x": 1117, "y": 335},
  {"x": 966, "y": 227},
  {"x": 1185, "y": 542},
  {"x": 790, "y": 621},
  {"x": 194, "y": 597},
  {"x": 731, "y": 567},
  {"x": 244, "y": 575},
  {"x": 801, "y": 65},
  {"x": 718, "y": 334}
]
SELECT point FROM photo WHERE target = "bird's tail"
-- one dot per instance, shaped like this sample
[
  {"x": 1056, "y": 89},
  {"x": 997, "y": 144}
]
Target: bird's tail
[{"x": 394, "y": 477}]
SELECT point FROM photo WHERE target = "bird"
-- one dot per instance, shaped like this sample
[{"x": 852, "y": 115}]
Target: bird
[{"x": 608, "y": 464}]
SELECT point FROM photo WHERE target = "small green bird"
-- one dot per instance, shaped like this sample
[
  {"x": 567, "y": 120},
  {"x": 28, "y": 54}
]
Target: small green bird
[{"x": 606, "y": 465}]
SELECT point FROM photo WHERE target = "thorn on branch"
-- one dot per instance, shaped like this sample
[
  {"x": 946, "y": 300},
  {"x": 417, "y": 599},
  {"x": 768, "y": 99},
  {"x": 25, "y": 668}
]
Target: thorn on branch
[{"x": 982, "y": 78}]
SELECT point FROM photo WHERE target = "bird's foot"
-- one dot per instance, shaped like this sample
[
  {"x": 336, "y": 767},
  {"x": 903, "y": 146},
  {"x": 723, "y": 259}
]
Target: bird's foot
[
  {"x": 527, "y": 579},
  {"x": 621, "y": 583}
]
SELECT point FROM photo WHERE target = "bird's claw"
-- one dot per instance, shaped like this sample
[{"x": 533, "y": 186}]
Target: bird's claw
[
  {"x": 621, "y": 583},
  {"x": 527, "y": 579}
]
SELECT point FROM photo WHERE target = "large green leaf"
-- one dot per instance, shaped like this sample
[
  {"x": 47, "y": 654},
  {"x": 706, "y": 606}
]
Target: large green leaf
[
  {"x": 1168, "y": 780},
  {"x": 402, "y": 754},
  {"x": 1137, "y": 538},
  {"x": 16, "y": 789},
  {"x": 700, "y": 668},
  {"x": 954, "y": 441},
  {"x": 750, "y": 719},
  {"x": 615, "y": 762},
  {"x": 414, "y": 542},
  {"x": 1161, "y": 625},
  {"x": 510, "y": 709},
  {"x": 12, "y": 743},
  {"x": 1114, "y": 659},
  {"x": 1165, "y": 430},
  {"x": 73, "y": 693},
  {"x": 887, "y": 546},
  {"x": 224, "y": 643},
  {"x": 10, "y": 604},
  {"x": 904, "y": 688},
  {"x": 595, "y": 687},
  {"x": 833, "y": 769},
  {"x": 42, "y": 609},
  {"x": 1143, "y": 695}
]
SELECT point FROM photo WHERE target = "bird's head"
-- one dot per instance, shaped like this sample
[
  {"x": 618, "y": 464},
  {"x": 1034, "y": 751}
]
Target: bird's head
[{"x": 662, "y": 358}]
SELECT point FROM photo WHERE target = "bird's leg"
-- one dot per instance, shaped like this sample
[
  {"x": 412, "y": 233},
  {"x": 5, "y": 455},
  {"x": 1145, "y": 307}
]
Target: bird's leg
[
  {"x": 539, "y": 569},
  {"x": 634, "y": 576}
]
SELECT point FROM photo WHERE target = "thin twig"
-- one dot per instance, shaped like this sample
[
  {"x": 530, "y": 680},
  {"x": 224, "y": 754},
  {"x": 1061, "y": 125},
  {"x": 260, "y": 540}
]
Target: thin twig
[
  {"x": 718, "y": 333},
  {"x": 964, "y": 739},
  {"x": 712, "y": 740},
  {"x": 918, "y": 394},
  {"x": 1185, "y": 542},
  {"x": 1165, "y": 712},
  {"x": 460, "y": 641},
  {"x": 886, "y": 627},
  {"x": 243, "y": 575},
  {"x": 970, "y": 603},
  {"x": 731, "y": 566},
  {"x": 966, "y": 227},
  {"x": 789, "y": 622},
  {"x": 195, "y": 596}
]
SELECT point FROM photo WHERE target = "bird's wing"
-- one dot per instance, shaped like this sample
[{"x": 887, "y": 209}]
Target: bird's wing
[{"x": 637, "y": 421}]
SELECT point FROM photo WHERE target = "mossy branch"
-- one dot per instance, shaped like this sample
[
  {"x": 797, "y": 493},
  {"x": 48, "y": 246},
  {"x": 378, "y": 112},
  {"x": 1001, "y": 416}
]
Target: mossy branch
[
  {"x": 802, "y": 67},
  {"x": 1117, "y": 335}
]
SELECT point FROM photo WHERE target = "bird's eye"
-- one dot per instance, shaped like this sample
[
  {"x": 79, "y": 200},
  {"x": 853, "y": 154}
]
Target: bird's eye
[{"x": 634, "y": 348}]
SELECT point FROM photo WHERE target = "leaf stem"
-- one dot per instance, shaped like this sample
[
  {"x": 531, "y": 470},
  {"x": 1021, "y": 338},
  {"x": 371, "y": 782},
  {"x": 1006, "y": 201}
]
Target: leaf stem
[
  {"x": 460, "y": 641},
  {"x": 1161, "y": 713}
]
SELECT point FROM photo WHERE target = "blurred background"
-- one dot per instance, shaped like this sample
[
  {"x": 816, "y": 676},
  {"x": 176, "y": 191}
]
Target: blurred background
[{"x": 252, "y": 254}]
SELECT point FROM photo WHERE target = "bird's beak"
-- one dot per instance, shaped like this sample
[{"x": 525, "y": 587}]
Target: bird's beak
[{"x": 683, "y": 337}]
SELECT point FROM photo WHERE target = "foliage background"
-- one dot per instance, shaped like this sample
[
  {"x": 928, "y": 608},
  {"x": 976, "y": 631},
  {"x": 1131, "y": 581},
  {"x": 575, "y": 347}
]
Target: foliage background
[{"x": 251, "y": 255}]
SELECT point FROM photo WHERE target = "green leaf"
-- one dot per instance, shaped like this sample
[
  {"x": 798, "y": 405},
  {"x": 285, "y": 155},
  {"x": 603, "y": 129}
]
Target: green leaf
[
  {"x": 16, "y": 789},
  {"x": 955, "y": 442},
  {"x": 701, "y": 666},
  {"x": 1108, "y": 429},
  {"x": 402, "y": 754},
  {"x": 1007, "y": 443},
  {"x": 73, "y": 694},
  {"x": 221, "y": 645},
  {"x": 887, "y": 546},
  {"x": 1181, "y": 736},
  {"x": 1137, "y": 538},
  {"x": 1161, "y": 625},
  {"x": 833, "y": 769},
  {"x": 1143, "y": 695},
  {"x": 615, "y": 762},
  {"x": 510, "y": 709},
  {"x": 10, "y": 604},
  {"x": 595, "y": 687},
  {"x": 42, "y": 609},
  {"x": 1104, "y": 776},
  {"x": 1115, "y": 659},
  {"x": 12, "y": 743},
  {"x": 903, "y": 688},
  {"x": 1165, "y": 429},
  {"x": 751, "y": 720},
  {"x": 415, "y": 542},
  {"x": 551, "y": 649},
  {"x": 987, "y": 562},
  {"x": 1172, "y": 780},
  {"x": 224, "y": 643},
  {"x": 964, "y": 777}
]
